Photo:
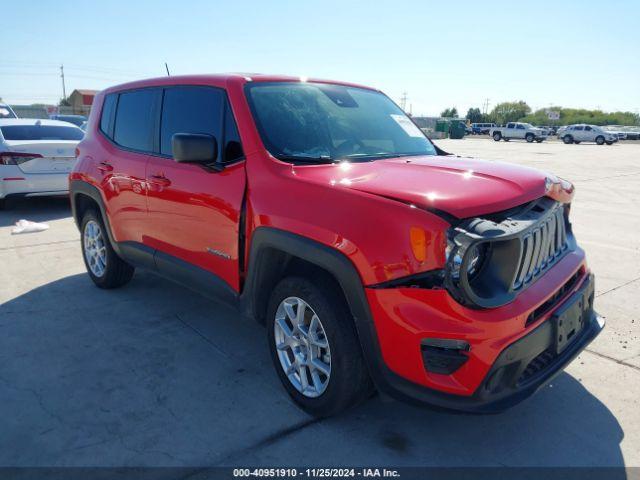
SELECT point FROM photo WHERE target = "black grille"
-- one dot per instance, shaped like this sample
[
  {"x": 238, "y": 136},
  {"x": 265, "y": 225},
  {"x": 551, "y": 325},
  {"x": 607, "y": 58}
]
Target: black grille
[
  {"x": 521, "y": 244},
  {"x": 541, "y": 247},
  {"x": 538, "y": 365}
]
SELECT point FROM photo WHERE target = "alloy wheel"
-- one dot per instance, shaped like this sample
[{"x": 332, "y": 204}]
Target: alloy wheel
[
  {"x": 302, "y": 346},
  {"x": 95, "y": 249}
]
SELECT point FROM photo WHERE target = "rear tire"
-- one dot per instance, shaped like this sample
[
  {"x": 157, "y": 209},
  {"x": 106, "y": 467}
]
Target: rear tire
[
  {"x": 497, "y": 136},
  {"x": 567, "y": 139},
  {"x": 298, "y": 350},
  {"x": 529, "y": 137},
  {"x": 600, "y": 140},
  {"x": 104, "y": 266}
]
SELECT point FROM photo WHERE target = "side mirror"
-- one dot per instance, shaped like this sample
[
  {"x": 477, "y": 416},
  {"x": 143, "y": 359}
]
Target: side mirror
[{"x": 194, "y": 148}]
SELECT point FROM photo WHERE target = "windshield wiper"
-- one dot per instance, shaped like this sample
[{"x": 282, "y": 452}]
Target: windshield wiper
[
  {"x": 310, "y": 159},
  {"x": 373, "y": 156}
]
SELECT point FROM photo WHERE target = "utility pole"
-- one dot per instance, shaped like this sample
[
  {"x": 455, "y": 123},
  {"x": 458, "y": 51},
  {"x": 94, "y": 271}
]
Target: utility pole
[
  {"x": 403, "y": 101},
  {"x": 485, "y": 106},
  {"x": 64, "y": 89}
]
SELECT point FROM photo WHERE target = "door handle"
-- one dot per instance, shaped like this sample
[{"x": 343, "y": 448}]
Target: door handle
[
  {"x": 160, "y": 180},
  {"x": 105, "y": 167}
]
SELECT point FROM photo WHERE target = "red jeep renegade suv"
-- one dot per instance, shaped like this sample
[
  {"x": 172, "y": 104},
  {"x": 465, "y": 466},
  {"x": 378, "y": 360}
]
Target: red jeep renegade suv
[{"x": 375, "y": 259}]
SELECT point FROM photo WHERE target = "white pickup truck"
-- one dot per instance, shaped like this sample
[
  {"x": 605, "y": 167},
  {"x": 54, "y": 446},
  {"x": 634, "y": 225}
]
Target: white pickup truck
[{"x": 520, "y": 131}]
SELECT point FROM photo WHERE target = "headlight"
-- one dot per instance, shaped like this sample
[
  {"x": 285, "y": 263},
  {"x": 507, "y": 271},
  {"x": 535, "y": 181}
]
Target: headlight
[{"x": 456, "y": 254}]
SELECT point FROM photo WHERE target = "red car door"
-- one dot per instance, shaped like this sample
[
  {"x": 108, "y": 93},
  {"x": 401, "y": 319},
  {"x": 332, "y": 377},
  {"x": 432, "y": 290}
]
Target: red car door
[
  {"x": 128, "y": 123},
  {"x": 194, "y": 212}
]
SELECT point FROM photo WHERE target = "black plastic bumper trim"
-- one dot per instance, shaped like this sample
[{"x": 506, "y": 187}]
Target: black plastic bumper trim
[{"x": 500, "y": 389}]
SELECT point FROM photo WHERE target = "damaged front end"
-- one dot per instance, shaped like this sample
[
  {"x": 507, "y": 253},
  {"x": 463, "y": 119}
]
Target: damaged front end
[{"x": 491, "y": 259}]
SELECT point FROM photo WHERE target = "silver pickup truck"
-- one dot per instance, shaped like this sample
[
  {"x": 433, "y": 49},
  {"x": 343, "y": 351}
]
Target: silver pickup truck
[{"x": 519, "y": 131}]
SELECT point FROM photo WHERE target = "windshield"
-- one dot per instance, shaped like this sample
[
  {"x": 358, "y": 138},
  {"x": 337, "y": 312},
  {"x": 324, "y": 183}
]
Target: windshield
[
  {"x": 317, "y": 122},
  {"x": 41, "y": 132}
]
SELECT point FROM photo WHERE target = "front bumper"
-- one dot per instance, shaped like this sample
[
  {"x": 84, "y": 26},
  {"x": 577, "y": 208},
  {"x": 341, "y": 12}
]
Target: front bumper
[{"x": 509, "y": 359}]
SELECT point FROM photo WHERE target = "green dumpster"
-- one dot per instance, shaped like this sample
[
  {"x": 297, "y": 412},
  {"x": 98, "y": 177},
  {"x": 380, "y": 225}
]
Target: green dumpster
[
  {"x": 442, "y": 126},
  {"x": 456, "y": 129}
]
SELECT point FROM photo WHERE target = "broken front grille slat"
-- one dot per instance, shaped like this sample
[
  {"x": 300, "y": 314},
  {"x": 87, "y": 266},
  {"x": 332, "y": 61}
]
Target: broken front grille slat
[
  {"x": 540, "y": 248},
  {"x": 553, "y": 224},
  {"x": 527, "y": 252}
]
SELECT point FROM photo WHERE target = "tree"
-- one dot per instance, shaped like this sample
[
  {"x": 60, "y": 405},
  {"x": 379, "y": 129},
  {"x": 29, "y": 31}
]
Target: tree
[
  {"x": 510, "y": 111},
  {"x": 64, "y": 102},
  {"x": 570, "y": 116},
  {"x": 474, "y": 115},
  {"x": 450, "y": 113}
]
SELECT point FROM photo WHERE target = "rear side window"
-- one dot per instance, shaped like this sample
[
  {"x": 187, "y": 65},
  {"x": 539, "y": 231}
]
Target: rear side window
[
  {"x": 106, "y": 119},
  {"x": 41, "y": 132},
  {"x": 135, "y": 120},
  {"x": 190, "y": 109}
]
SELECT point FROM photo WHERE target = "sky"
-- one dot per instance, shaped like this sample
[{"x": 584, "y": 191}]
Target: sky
[{"x": 580, "y": 54}]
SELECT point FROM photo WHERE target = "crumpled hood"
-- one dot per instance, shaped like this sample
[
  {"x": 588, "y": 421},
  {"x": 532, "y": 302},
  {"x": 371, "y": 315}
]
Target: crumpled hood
[{"x": 462, "y": 187}]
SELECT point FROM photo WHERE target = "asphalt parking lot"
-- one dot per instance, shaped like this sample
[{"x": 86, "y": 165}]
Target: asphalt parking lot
[{"x": 153, "y": 374}]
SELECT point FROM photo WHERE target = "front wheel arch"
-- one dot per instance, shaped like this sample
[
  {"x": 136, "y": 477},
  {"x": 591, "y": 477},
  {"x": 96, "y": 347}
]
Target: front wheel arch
[{"x": 275, "y": 253}]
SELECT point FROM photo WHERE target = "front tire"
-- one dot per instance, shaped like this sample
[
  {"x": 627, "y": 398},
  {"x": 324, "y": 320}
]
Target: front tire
[
  {"x": 529, "y": 137},
  {"x": 314, "y": 346},
  {"x": 609, "y": 143},
  {"x": 497, "y": 136},
  {"x": 567, "y": 139},
  {"x": 104, "y": 266},
  {"x": 600, "y": 140}
]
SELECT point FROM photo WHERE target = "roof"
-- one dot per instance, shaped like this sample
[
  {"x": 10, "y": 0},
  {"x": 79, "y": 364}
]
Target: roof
[
  {"x": 224, "y": 79},
  {"x": 33, "y": 121},
  {"x": 85, "y": 92}
]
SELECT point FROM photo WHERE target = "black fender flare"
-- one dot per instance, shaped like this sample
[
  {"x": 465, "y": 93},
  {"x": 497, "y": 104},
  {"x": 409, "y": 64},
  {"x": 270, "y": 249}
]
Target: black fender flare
[
  {"x": 334, "y": 263},
  {"x": 264, "y": 239},
  {"x": 80, "y": 187}
]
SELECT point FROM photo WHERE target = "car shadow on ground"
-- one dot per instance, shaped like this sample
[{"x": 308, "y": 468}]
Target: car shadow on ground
[
  {"x": 35, "y": 209},
  {"x": 153, "y": 374}
]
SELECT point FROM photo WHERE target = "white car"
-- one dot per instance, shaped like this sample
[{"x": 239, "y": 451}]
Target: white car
[
  {"x": 519, "y": 130},
  {"x": 36, "y": 157},
  {"x": 6, "y": 111},
  {"x": 587, "y": 133}
]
